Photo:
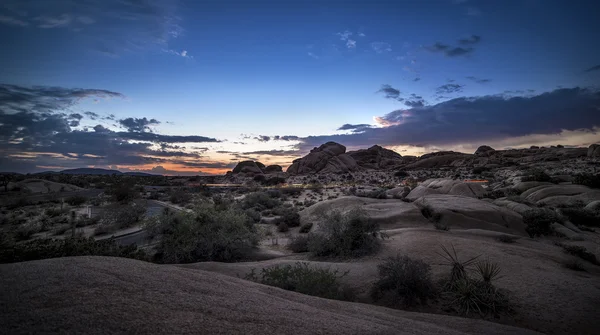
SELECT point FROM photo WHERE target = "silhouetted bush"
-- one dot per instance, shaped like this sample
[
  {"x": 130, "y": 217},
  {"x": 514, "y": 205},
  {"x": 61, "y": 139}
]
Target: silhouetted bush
[
  {"x": 582, "y": 216},
  {"x": 298, "y": 244},
  {"x": 260, "y": 201},
  {"x": 407, "y": 280},
  {"x": 588, "y": 179},
  {"x": 180, "y": 197},
  {"x": 401, "y": 174},
  {"x": 507, "y": 238},
  {"x": 119, "y": 217},
  {"x": 580, "y": 252},
  {"x": 537, "y": 175},
  {"x": 538, "y": 221},
  {"x": 76, "y": 200}
]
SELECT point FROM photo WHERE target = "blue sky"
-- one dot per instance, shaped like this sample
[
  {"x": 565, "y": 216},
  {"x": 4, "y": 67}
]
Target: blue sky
[{"x": 233, "y": 70}]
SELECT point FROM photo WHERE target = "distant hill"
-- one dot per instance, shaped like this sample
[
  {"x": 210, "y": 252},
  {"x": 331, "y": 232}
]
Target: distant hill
[{"x": 96, "y": 171}]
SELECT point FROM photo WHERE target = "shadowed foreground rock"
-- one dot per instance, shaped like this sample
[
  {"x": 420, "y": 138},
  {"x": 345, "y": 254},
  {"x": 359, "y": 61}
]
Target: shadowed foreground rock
[{"x": 94, "y": 295}]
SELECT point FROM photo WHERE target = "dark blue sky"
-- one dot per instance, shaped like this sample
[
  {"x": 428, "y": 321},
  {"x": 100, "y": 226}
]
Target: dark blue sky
[{"x": 234, "y": 70}]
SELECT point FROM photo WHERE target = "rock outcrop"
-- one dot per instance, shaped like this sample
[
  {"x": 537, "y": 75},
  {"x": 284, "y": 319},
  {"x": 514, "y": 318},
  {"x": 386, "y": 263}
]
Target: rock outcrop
[
  {"x": 273, "y": 169},
  {"x": 561, "y": 195},
  {"x": 446, "y": 186},
  {"x": 484, "y": 150},
  {"x": 376, "y": 157},
  {"x": 330, "y": 157},
  {"x": 469, "y": 213},
  {"x": 594, "y": 151},
  {"x": 250, "y": 167},
  {"x": 438, "y": 159}
]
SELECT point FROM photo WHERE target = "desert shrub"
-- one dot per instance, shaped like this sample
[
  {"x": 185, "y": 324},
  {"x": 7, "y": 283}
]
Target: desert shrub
[
  {"x": 507, "y": 238},
  {"x": 76, "y": 200},
  {"x": 352, "y": 234},
  {"x": 537, "y": 175},
  {"x": 309, "y": 203},
  {"x": 440, "y": 225},
  {"x": 303, "y": 278},
  {"x": 428, "y": 213},
  {"x": 26, "y": 231},
  {"x": 305, "y": 228},
  {"x": 207, "y": 234},
  {"x": 582, "y": 216},
  {"x": 587, "y": 179},
  {"x": 259, "y": 178},
  {"x": 261, "y": 201},
  {"x": 282, "y": 227},
  {"x": 375, "y": 194},
  {"x": 458, "y": 268},
  {"x": 180, "y": 197},
  {"x": 53, "y": 248},
  {"x": 538, "y": 221},
  {"x": 488, "y": 270},
  {"x": 401, "y": 174},
  {"x": 407, "y": 280},
  {"x": 480, "y": 169},
  {"x": 253, "y": 214},
  {"x": 123, "y": 192},
  {"x": 580, "y": 252},
  {"x": 119, "y": 217},
  {"x": 298, "y": 244},
  {"x": 574, "y": 264},
  {"x": 289, "y": 216},
  {"x": 274, "y": 181}
]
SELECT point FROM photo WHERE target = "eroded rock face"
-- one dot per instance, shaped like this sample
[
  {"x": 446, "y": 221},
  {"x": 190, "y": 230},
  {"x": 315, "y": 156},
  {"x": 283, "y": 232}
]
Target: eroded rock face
[
  {"x": 446, "y": 186},
  {"x": 439, "y": 159},
  {"x": 250, "y": 167},
  {"x": 484, "y": 150},
  {"x": 470, "y": 213},
  {"x": 557, "y": 195},
  {"x": 330, "y": 157},
  {"x": 376, "y": 157},
  {"x": 594, "y": 151}
]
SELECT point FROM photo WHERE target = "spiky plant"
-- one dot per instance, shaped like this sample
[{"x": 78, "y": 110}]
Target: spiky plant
[
  {"x": 459, "y": 269},
  {"x": 488, "y": 270}
]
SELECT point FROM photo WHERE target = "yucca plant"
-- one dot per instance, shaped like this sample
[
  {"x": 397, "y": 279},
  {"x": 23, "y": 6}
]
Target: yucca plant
[
  {"x": 488, "y": 270},
  {"x": 459, "y": 269}
]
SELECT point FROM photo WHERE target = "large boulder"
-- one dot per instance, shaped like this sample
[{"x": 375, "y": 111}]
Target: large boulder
[
  {"x": 446, "y": 186},
  {"x": 462, "y": 212},
  {"x": 512, "y": 205},
  {"x": 250, "y": 167},
  {"x": 593, "y": 151},
  {"x": 328, "y": 158},
  {"x": 388, "y": 213},
  {"x": 484, "y": 150},
  {"x": 439, "y": 159},
  {"x": 273, "y": 169},
  {"x": 561, "y": 195},
  {"x": 376, "y": 157}
]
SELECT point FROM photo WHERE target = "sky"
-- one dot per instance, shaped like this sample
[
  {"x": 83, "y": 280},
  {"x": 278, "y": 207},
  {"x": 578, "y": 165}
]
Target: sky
[{"x": 193, "y": 87}]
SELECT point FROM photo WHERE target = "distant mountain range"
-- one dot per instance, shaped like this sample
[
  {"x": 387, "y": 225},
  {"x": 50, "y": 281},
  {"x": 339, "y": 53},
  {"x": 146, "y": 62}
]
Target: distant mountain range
[{"x": 95, "y": 171}]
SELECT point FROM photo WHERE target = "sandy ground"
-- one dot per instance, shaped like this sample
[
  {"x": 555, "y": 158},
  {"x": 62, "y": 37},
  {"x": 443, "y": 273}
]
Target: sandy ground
[
  {"x": 101, "y": 295},
  {"x": 550, "y": 298}
]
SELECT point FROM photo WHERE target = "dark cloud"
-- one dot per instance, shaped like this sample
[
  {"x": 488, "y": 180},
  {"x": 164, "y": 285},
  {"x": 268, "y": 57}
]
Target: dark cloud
[
  {"x": 91, "y": 115},
  {"x": 449, "y": 89},
  {"x": 273, "y": 152},
  {"x": 263, "y": 138},
  {"x": 474, "y": 39},
  {"x": 479, "y": 119},
  {"x": 355, "y": 128},
  {"x": 417, "y": 79},
  {"x": 390, "y": 92},
  {"x": 286, "y": 138},
  {"x": 593, "y": 68},
  {"x": 138, "y": 124},
  {"x": 479, "y": 80},
  {"x": 44, "y": 99}
]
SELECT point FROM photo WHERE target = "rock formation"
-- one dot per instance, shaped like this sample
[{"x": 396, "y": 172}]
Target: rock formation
[
  {"x": 250, "y": 167},
  {"x": 330, "y": 157},
  {"x": 376, "y": 157},
  {"x": 594, "y": 151},
  {"x": 484, "y": 150},
  {"x": 273, "y": 169}
]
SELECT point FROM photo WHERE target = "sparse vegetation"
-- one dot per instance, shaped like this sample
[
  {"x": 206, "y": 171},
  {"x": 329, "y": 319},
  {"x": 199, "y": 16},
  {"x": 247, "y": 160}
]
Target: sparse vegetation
[
  {"x": 537, "y": 175},
  {"x": 406, "y": 281},
  {"x": 305, "y": 279},
  {"x": 574, "y": 264},
  {"x": 352, "y": 234},
  {"x": 582, "y": 216},
  {"x": 507, "y": 238},
  {"x": 538, "y": 221},
  {"x": 298, "y": 244},
  {"x": 580, "y": 252},
  {"x": 587, "y": 179},
  {"x": 305, "y": 228}
]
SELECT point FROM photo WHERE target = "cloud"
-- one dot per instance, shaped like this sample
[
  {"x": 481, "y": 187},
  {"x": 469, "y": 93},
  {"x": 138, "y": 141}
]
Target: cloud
[
  {"x": 183, "y": 53},
  {"x": 263, "y": 138},
  {"x": 53, "y": 21},
  {"x": 355, "y": 128},
  {"x": 351, "y": 44},
  {"x": 344, "y": 36},
  {"x": 273, "y": 152},
  {"x": 286, "y": 138},
  {"x": 11, "y": 21},
  {"x": 417, "y": 79},
  {"x": 479, "y": 80},
  {"x": 138, "y": 124},
  {"x": 474, "y": 39},
  {"x": 472, "y": 11},
  {"x": 415, "y": 101},
  {"x": 449, "y": 89},
  {"x": 381, "y": 47},
  {"x": 479, "y": 120},
  {"x": 313, "y": 55},
  {"x": 390, "y": 92},
  {"x": 15, "y": 98},
  {"x": 593, "y": 68}
]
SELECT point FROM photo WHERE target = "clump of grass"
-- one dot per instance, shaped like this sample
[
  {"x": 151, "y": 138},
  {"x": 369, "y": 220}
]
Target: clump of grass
[
  {"x": 574, "y": 264},
  {"x": 488, "y": 270},
  {"x": 459, "y": 268},
  {"x": 580, "y": 252},
  {"x": 404, "y": 280},
  {"x": 507, "y": 238}
]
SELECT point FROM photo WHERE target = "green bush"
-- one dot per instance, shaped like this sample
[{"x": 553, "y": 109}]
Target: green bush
[
  {"x": 352, "y": 234},
  {"x": 207, "y": 234},
  {"x": 298, "y": 244},
  {"x": 180, "y": 197},
  {"x": 123, "y": 192},
  {"x": 289, "y": 216},
  {"x": 305, "y": 228},
  {"x": 538, "y": 221},
  {"x": 53, "y": 248},
  {"x": 582, "y": 216},
  {"x": 260, "y": 201},
  {"x": 303, "y": 278},
  {"x": 407, "y": 280},
  {"x": 76, "y": 200},
  {"x": 253, "y": 215}
]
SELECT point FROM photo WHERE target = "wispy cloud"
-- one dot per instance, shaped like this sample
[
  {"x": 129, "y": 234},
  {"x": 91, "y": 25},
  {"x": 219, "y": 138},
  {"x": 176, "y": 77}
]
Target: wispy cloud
[
  {"x": 381, "y": 47},
  {"x": 350, "y": 44},
  {"x": 455, "y": 51},
  {"x": 11, "y": 21},
  {"x": 183, "y": 53},
  {"x": 53, "y": 21},
  {"x": 310, "y": 54},
  {"x": 449, "y": 89},
  {"x": 390, "y": 92},
  {"x": 593, "y": 68},
  {"x": 344, "y": 36},
  {"x": 479, "y": 80},
  {"x": 473, "y": 39}
]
